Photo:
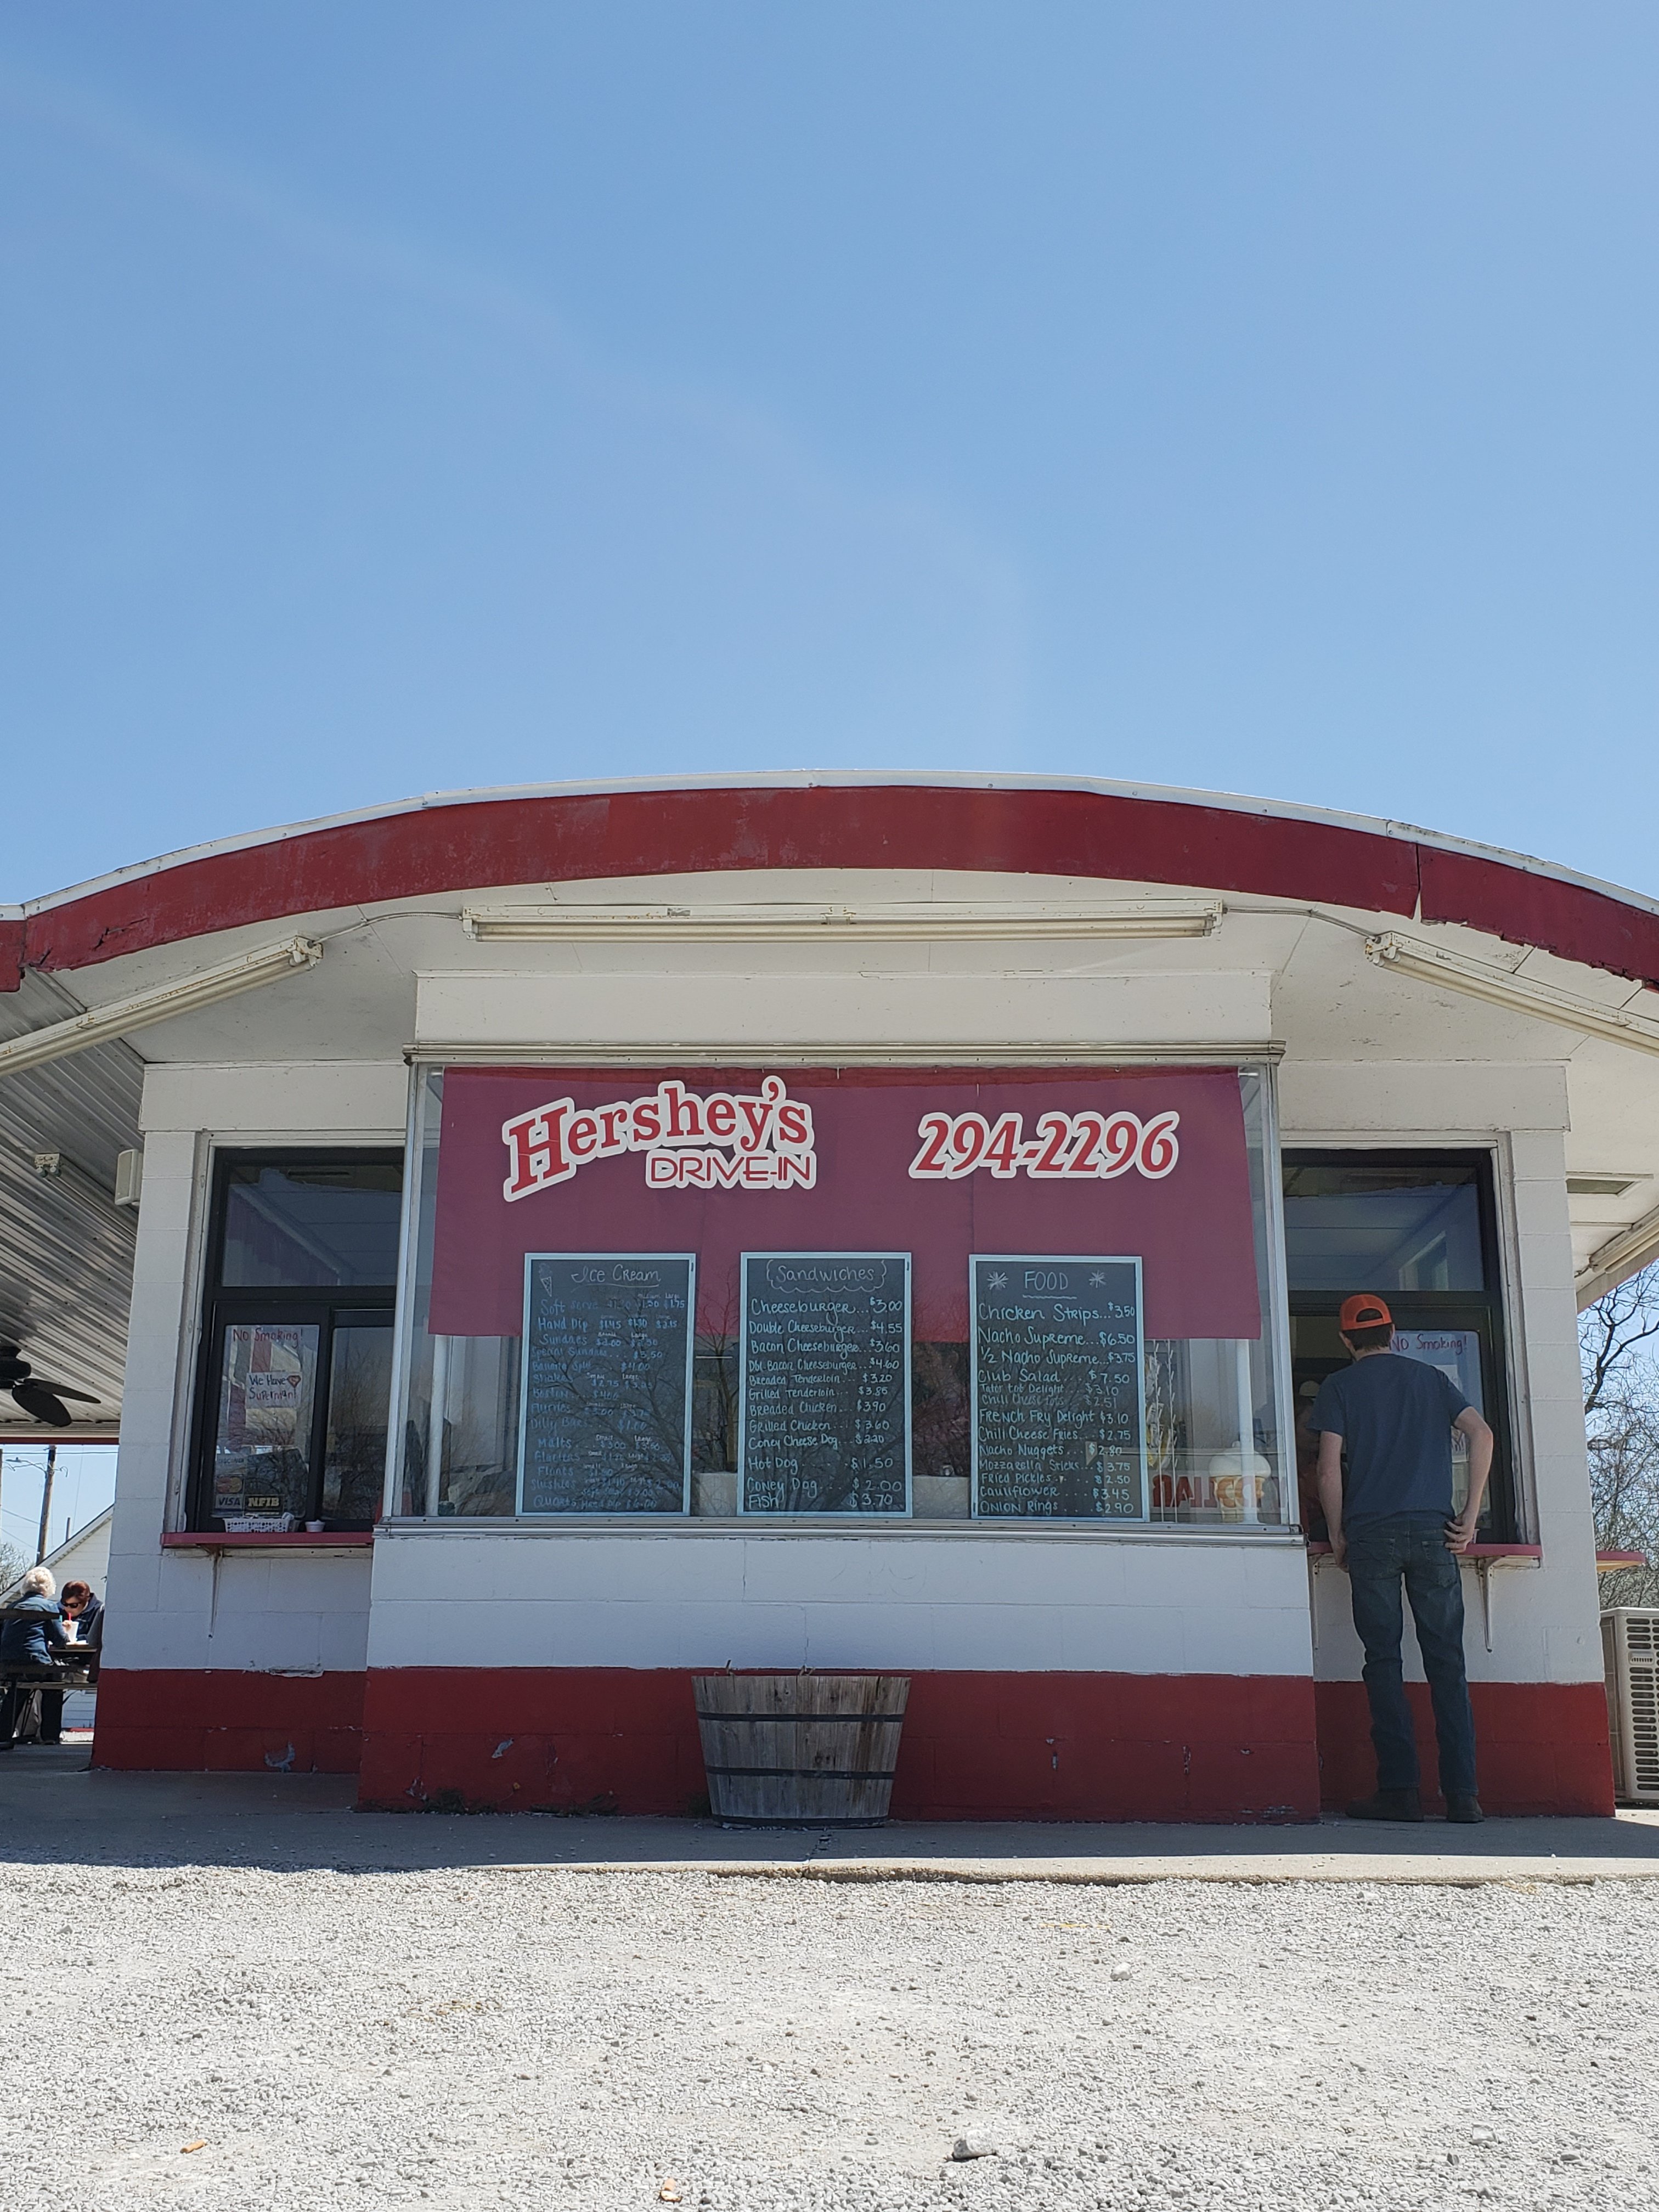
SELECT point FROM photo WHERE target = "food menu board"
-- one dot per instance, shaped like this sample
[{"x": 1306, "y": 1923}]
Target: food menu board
[
  {"x": 604, "y": 1420},
  {"x": 824, "y": 1395},
  {"x": 1057, "y": 1352}
]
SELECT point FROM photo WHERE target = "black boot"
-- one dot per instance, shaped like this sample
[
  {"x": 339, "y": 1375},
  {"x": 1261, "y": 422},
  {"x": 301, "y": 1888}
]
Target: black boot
[
  {"x": 1388, "y": 1805},
  {"x": 1464, "y": 1807}
]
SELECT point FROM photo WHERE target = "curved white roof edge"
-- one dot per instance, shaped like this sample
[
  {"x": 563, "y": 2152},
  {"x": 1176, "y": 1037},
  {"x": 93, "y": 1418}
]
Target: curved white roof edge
[{"x": 807, "y": 779}]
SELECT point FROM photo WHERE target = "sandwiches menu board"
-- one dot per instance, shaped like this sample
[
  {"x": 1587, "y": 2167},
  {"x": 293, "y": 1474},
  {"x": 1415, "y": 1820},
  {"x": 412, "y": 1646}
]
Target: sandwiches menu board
[
  {"x": 605, "y": 1388},
  {"x": 824, "y": 1398},
  {"x": 1059, "y": 1429}
]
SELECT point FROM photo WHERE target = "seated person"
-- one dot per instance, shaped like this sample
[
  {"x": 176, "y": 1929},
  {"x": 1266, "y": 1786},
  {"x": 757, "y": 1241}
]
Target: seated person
[
  {"x": 84, "y": 1624},
  {"x": 84, "y": 1610},
  {"x": 28, "y": 1641}
]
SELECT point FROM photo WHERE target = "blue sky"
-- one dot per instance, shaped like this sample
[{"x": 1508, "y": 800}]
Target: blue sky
[
  {"x": 83, "y": 1484},
  {"x": 396, "y": 397}
]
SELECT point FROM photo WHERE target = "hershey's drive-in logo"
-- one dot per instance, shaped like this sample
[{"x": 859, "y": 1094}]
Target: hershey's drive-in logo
[{"x": 713, "y": 1140}]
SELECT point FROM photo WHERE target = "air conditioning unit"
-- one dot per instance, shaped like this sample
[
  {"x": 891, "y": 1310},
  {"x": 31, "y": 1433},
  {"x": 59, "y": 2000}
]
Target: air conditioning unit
[{"x": 1630, "y": 1652}]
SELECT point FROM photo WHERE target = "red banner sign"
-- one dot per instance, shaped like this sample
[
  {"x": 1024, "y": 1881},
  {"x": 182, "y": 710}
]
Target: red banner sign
[{"x": 937, "y": 1163}]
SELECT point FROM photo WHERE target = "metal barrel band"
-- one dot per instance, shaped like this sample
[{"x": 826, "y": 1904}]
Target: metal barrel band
[
  {"x": 805, "y": 1720},
  {"x": 805, "y": 1773}
]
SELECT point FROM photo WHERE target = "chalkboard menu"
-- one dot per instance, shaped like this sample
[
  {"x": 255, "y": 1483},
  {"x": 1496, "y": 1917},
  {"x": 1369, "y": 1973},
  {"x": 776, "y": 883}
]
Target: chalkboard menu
[
  {"x": 605, "y": 1417},
  {"x": 824, "y": 1419},
  {"x": 1059, "y": 1428}
]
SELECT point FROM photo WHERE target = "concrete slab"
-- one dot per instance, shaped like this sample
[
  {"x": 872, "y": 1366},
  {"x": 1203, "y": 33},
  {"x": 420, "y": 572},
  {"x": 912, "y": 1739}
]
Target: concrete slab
[{"x": 53, "y": 1809}]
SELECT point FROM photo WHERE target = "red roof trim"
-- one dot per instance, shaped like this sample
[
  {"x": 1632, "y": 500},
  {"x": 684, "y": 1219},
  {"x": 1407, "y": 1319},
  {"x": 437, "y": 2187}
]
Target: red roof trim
[
  {"x": 1569, "y": 919},
  {"x": 580, "y": 836}
]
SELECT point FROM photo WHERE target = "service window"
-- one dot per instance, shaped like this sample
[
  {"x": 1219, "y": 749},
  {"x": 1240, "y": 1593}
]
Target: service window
[
  {"x": 1011, "y": 1294},
  {"x": 297, "y": 1367},
  {"x": 1420, "y": 1228}
]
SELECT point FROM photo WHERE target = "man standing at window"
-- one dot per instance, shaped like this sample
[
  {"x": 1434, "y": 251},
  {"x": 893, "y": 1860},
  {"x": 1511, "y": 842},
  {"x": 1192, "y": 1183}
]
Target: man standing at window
[{"x": 1391, "y": 1521}]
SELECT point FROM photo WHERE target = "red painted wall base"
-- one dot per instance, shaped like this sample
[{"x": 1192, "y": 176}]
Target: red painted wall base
[
  {"x": 978, "y": 1747},
  {"x": 184, "y": 1721},
  {"x": 1541, "y": 1746},
  {"x": 974, "y": 1748}
]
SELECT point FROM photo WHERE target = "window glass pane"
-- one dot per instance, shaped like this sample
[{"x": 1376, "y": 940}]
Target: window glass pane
[
  {"x": 714, "y": 1406},
  {"x": 1203, "y": 1395},
  {"x": 457, "y": 1442},
  {"x": 1378, "y": 1226},
  {"x": 1456, "y": 1353},
  {"x": 359, "y": 1400},
  {"x": 329, "y": 1224},
  {"x": 262, "y": 1443},
  {"x": 1418, "y": 1229},
  {"x": 941, "y": 1430}
]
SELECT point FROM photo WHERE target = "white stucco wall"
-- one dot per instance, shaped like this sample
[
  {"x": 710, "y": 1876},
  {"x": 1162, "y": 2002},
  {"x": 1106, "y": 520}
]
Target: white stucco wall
[
  {"x": 919, "y": 1599},
  {"x": 749, "y": 1006},
  {"x": 275, "y": 1612}
]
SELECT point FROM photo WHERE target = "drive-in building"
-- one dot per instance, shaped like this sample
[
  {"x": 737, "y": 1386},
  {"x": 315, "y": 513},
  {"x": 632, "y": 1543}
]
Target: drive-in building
[{"x": 569, "y": 1238}]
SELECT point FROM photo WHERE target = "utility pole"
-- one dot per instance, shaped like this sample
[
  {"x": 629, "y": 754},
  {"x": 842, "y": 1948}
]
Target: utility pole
[{"x": 45, "y": 1502}]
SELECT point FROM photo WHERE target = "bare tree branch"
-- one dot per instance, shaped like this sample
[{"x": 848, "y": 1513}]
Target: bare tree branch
[
  {"x": 1610, "y": 1331},
  {"x": 1622, "y": 1416}
]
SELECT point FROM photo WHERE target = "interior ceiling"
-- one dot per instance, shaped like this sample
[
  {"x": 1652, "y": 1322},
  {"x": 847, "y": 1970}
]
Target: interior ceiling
[{"x": 65, "y": 1246}]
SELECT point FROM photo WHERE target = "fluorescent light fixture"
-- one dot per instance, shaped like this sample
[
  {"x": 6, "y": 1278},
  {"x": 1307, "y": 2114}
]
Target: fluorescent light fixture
[
  {"x": 123, "y": 1015},
  {"x": 790, "y": 922},
  {"x": 1432, "y": 963},
  {"x": 1618, "y": 1259},
  {"x": 1607, "y": 1186},
  {"x": 783, "y": 1053}
]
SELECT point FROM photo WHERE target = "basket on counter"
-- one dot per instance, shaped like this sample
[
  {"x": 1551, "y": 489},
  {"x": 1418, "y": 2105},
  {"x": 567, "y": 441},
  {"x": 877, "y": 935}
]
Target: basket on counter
[{"x": 812, "y": 1750}]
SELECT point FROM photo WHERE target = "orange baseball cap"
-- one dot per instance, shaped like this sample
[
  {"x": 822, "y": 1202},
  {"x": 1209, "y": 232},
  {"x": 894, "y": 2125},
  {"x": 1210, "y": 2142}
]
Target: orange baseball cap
[{"x": 1364, "y": 1310}]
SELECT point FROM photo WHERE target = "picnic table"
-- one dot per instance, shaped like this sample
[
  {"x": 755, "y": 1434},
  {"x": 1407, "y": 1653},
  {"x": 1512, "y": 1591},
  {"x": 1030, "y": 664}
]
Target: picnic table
[{"x": 74, "y": 1666}]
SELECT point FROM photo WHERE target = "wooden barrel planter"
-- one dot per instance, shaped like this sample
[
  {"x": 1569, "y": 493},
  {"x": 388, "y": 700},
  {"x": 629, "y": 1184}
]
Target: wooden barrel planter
[{"x": 800, "y": 1750}]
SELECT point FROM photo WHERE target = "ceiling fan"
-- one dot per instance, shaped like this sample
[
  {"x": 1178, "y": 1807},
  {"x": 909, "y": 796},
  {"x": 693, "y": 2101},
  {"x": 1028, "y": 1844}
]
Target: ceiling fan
[{"x": 42, "y": 1401}]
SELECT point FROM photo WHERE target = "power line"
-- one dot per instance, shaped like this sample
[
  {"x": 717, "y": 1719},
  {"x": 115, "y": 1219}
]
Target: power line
[{"x": 20, "y": 1524}]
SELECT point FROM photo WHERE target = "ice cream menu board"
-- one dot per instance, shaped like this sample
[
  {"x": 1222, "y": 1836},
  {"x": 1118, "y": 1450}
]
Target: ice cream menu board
[
  {"x": 824, "y": 1396},
  {"x": 1059, "y": 1429},
  {"x": 606, "y": 1390}
]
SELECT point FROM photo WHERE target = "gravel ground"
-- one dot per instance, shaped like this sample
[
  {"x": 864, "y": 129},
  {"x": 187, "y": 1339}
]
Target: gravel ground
[{"x": 569, "y": 2038}]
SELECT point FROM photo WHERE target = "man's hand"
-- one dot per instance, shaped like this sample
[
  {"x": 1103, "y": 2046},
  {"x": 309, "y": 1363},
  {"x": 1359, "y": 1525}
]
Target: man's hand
[
  {"x": 1330, "y": 1493},
  {"x": 1460, "y": 1533}
]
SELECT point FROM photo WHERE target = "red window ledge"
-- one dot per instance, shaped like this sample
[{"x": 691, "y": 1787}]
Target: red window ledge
[
  {"x": 1496, "y": 1552},
  {"x": 274, "y": 1539},
  {"x": 1607, "y": 1563}
]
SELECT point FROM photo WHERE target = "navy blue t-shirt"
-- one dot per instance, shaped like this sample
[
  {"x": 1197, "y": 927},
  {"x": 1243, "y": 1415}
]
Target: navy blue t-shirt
[{"x": 1394, "y": 1417}]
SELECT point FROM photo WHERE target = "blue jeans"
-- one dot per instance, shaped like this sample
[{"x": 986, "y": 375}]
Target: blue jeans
[{"x": 1411, "y": 1547}]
